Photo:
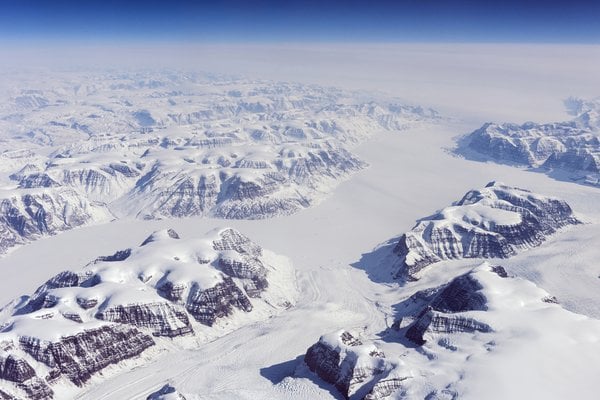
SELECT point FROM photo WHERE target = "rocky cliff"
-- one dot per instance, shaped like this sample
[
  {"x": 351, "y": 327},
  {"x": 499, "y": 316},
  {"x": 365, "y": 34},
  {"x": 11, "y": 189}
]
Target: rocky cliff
[
  {"x": 344, "y": 361},
  {"x": 34, "y": 213},
  {"x": 494, "y": 222},
  {"x": 80, "y": 322}
]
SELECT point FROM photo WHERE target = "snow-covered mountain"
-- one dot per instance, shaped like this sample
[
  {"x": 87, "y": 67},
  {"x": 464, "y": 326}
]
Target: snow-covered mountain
[
  {"x": 162, "y": 145},
  {"x": 112, "y": 311},
  {"x": 571, "y": 146},
  {"x": 494, "y": 222},
  {"x": 31, "y": 213},
  {"x": 479, "y": 322}
]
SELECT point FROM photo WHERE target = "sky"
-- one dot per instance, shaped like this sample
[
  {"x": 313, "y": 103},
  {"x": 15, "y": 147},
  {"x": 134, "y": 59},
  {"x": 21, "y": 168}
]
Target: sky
[{"x": 505, "y": 21}]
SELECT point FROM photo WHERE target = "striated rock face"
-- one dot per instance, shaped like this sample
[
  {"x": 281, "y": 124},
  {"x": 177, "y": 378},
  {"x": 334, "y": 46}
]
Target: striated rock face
[
  {"x": 447, "y": 309},
  {"x": 573, "y": 146},
  {"x": 167, "y": 392},
  {"x": 388, "y": 387},
  {"x": 206, "y": 306},
  {"x": 344, "y": 361},
  {"x": 239, "y": 186},
  {"x": 43, "y": 212},
  {"x": 18, "y": 371},
  {"x": 79, "y": 356},
  {"x": 162, "y": 319},
  {"x": 78, "y": 323},
  {"x": 496, "y": 221}
]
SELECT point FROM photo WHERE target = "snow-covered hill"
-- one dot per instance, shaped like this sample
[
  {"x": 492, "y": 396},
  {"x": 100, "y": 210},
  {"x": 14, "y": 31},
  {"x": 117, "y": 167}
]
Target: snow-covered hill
[
  {"x": 496, "y": 221},
  {"x": 572, "y": 146},
  {"x": 168, "y": 291},
  {"x": 161, "y": 145},
  {"x": 483, "y": 322}
]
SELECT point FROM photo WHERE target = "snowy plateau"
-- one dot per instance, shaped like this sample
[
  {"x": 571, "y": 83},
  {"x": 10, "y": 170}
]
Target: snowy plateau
[
  {"x": 176, "y": 235},
  {"x": 176, "y": 145}
]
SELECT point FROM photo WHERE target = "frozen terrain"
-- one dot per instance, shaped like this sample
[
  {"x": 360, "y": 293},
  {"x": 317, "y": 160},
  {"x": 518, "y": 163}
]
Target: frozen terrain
[
  {"x": 481, "y": 322},
  {"x": 79, "y": 323},
  {"x": 494, "y": 222},
  {"x": 564, "y": 150},
  {"x": 342, "y": 250},
  {"x": 88, "y": 148}
]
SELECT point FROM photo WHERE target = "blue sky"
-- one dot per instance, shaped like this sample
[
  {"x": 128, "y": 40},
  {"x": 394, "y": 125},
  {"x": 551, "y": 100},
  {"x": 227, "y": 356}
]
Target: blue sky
[{"x": 302, "y": 21}]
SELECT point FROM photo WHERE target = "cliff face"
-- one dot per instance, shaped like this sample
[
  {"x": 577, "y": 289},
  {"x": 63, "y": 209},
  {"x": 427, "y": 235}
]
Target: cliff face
[
  {"x": 572, "y": 146},
  {"x": 494, "y": 222},
  {"x": 39, "y": 212},
  {"x": 79, "y": 356},
  {"x": 344, "y": 361},
  {"x": 78, "y": 323}
]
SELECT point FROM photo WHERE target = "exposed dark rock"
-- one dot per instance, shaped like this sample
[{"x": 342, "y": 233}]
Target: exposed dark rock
[
  {"x": 41, "y": 298},
  {"x": 33, "y": 214},
  {"x": 206, "y": 306},
  {"x": 550, "y": 299},
  {"x": 500, "y": 271},
  {"x": 245, "y": 268},
  {"x": 461, "y": 294},
  {"x": 6, "y": 396},
  {"x": 494, "y": 222},
  {"x": 118, "y": 256},
  {"x": 163, "y": 319},
  {"x": 572, "y": 146},
  {"x": 37, "y": 180},
  {"x": 206, "y": 279},
  {"x": 233, "y": 240},
  {"x": 343, "y": 360},
  {"x": 155, "y": 236},
  {"x": 387, "y": 387},
  {"x": 15, "y": 369},
  {"x": 443, "y": 306},
  {"x": 79, "y": 356},
  {"x": 36, "y": 389},
  {"x": 87, "y": 303},
  {"x": 435, "y": 322}
]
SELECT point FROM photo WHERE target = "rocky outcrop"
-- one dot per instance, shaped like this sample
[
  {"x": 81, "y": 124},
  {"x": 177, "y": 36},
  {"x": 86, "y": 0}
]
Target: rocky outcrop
[
  {"x": 79, "y": 356},
  {"x": 388, "y": 388},
  {"x": 167, "y": 392},
  {"x": 344, "y": 361},
  {"x": 216, "y": 302},
  {"x": 246, "y": 188},
  {"x": 162, "y": 319},
  {"x": 446, "y": 309},
  {"x": 494, "y": 222},
  {"x": 572, "y": 146},
  {"x": 78, "y": 323},
  {"x": 44, "y": 212},
  {"x": 18, "y": 371}
]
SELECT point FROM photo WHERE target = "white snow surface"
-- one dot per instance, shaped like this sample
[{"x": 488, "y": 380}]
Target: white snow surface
[{"x": 339, "y": 248}]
